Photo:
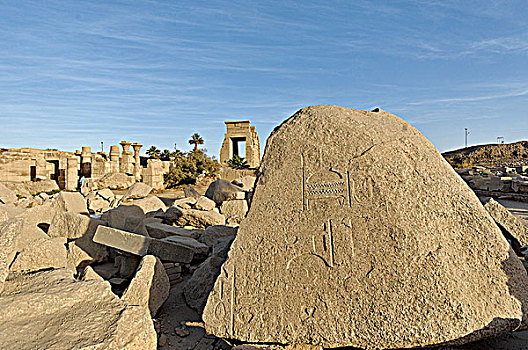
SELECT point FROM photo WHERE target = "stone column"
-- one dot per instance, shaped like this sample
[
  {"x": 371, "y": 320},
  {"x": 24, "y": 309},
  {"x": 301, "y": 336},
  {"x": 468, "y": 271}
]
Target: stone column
[
  {"x": 126, "y": 158},
  {"x": 137, "y": 161},
  {"x": 86, "y": 162},
  {"x": 114, "y": 159},
  {"x": 72, "y": 173}
]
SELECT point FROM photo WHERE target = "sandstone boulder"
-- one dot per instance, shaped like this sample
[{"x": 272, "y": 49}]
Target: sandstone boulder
[
  {"x": 204, "y": 203},
  {"x": 50, "y": 310},
  {"x": 507, "y": 221},
  {"x": 150, "y": 286},
  {"x": 116, "y": 218},
  {"x": 191, "y": 217},
  {"x": 159, "y": 230},
  {"x": 73, "y": 225},
  {"x": 222, "y": 190},
  {"x": 202, "y": 281},
  {"x": 70, "y": 202},
  {"x": 149, "y": 205},
  {"x": 7, "y": 196},
  {"x": 136, "y": 191},
  {"x": 8, "y": 232},
  {"x": 189, "y": 191},
  {"x": 246, "y": 182},
  {"x": 237, "y": 207},
  {"x": 47, "y": 253},
  {"x": 213, "y": 234},
  {"x": 114, "y": 180},
  {"x": 360, "y": 234}
]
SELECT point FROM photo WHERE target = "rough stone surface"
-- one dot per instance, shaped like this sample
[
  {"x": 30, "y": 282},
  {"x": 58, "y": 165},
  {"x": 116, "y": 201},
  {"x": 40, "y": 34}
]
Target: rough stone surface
[
  {"x": 33, "y": 217},
  {"x": 8, "y": 232},
  {"x": 237, "y": 207},
  {"x": 73, "y": 225},
  {"x": 361, "y": 234},
  {"x": 507, "y": 220},
  {"x": 149, "y": 204},
  {"x": 7, "y": 196},
  {"x": 47, "y": 253},
  {"x": 141, "y": 245},
  {"x": 136, "y": 224},
  {"x": 116, "y": 218},
  {"x": 190, "y": 192},
  {"x": 212, "y": 234},
  {"x": 114, "y": 180},
  {"x": 50, "y": 310},
  {"x": 70, "y": 201},
  {"x": 247, "y": 182},
  {"x": 150, "y": 286},
  {"x": 222, "y": 190},
  {"x": 159, "y": 230},
  {"x": 200, "y": 250},
  {"x": 137, "y": 190},
  {"x": 3, "y": 213},
  {"x": 191, "y": 217},
  {"x": 204, "y": 203},
  {"x": 201, "y": 283}
]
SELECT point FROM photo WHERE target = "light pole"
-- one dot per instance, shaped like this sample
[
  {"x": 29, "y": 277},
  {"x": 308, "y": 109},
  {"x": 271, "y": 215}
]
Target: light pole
[{"x": 467, "y": 133}]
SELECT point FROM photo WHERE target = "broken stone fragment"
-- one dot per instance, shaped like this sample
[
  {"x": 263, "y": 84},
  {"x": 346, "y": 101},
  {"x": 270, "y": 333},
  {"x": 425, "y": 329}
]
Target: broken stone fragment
[
  {"x": 204, "y": 203},
  {"x": 141, "y": 245},
  {"x": 8, "y": 232},
  {"x": 246, "y": 182},
  {"x": 70, "y": 202},
  {"x": 116, "y": 217},
  {"x": 73, "y": 225},
  {"x": 200, "y": 250},
  {"x": 159, "y": 230},
  {"x": 7, "y": 196},
  {"x": 149, "y": 205},
  {"x": 137, "y": 190},
  {"x": 191, "y": 217},
  {"x": 135, "y": 224},
  {"x": 51, "y": 310},
  {"x": 359, "y": 229},
  {"x": 212, "y": 234},
  {"x": 150, "y": 286},
  {"x": 236, "y": 207},
  {"x": 507, "y": 221},
  {"x": 190, "y": 192},
  {"x": 47, "y": 253},
  {"x": 222, "y": 190}
]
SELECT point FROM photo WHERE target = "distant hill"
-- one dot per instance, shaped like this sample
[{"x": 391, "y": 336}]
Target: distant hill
[{"x": 490, "y": 156}]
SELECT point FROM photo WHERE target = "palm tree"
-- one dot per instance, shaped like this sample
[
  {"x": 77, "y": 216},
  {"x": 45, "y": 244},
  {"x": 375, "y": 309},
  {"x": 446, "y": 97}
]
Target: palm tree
[
  {"x": 196, "y": 140},
  {"x": 166, "y": 155},
  {"x": 153, "y": 152}
]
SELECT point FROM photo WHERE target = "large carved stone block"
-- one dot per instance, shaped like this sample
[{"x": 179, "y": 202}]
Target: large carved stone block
[{"x": 361, "y": 234}]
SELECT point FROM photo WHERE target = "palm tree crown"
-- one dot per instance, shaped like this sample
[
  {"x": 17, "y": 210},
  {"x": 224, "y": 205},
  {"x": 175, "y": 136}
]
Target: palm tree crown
[{"x": 196, "y": 140}]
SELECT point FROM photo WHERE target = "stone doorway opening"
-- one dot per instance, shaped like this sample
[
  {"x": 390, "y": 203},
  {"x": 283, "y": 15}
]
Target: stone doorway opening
[{"x": 238, "y": 145}]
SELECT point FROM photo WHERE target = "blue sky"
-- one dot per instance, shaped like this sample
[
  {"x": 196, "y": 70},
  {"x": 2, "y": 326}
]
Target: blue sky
[{"x": 77, "y": 73}]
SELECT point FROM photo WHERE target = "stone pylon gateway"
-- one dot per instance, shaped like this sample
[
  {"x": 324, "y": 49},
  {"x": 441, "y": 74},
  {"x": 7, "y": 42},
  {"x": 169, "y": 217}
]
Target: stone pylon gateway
[
  {"x": 238, "y": 133},
  {"x": 363, "y": 236}
]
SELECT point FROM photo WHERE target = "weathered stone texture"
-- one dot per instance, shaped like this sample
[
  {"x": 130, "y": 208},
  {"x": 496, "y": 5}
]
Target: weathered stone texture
[
  {"x": 507, "y": 220},
  {"x": 222, "y": 190},
  {"x": 8, "y": 232},
  {"x": 361, "y": 234},
  {"x": 7, "y": 196},
  {"x": 150, "y": 286}
]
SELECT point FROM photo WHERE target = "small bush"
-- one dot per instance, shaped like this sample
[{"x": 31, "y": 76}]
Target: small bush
[
  {"x": 238, "y": 162},
  {"x": 188, "y": 166}
]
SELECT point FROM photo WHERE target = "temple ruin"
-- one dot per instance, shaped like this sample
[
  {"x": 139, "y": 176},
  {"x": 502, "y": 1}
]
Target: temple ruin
[
  {"x": 29, "y": 164},
  {"x": 241, "y": 139}
]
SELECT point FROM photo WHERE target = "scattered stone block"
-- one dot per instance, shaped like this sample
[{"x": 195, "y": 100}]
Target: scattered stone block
[
  {"x": 97, "y": 205},
  {"x": 507, "y": 221},
  {"x": 204, "y": 203},
  {"x": 51, "y": 310},
  {"x": 169, "y": 251},
  {"x": 70, "y": 202},
  {"x": 122, "y": 240},
  {"x": 128, "y": 265},
  {"x": 222, "y": 190},
  {"x": 190, "y": 192},
  {"x": 202, "y": 281},
  {"x": 116, "y": 217},
  {"x": 135, "y": 224},
  {"x": 192, "y": 217},
  {"x": 8, "y": 233},
  {"x": 47, "y": 253},
  {"x": 150, "y": 286},
  {"x": 237, "y": 207},
  {"x": 73, "y": 225},
  {"x": 359, "y": 229},
  {"x": 247, "y": 182},
  {"x": 148, "y": 205},
  {"x": 200, "y": 250},
  {"x": 159, "y": 230},
  {"x": 90, "y": 274},
  {"x": 212, "y": 234},
  {"x": 7, "y": 196},
  {"x": 136, "y": 191}
]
